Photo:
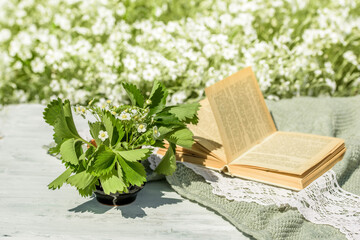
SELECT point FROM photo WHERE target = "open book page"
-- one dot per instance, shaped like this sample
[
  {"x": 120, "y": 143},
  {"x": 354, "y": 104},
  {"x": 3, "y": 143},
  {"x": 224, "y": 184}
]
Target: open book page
[
  {"x": 240, "y": 112},
  {"x": 289, "y": 152},
  {"x": 206, "y": 132}
]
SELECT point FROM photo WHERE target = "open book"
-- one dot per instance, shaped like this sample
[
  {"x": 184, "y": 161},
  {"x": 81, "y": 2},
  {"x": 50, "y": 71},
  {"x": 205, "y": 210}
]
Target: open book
[{"x": 236, "y": 135}]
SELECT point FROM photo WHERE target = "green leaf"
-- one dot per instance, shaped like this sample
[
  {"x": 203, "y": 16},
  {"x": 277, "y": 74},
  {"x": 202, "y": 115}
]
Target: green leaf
[
  {"x": 120, "y": 131},
  {"x": 159, "y": 144},
  {"x": 60, "y": 180},
  {"x": 69, "y": 118},
  {"x": 182, "y": 137},
  {"x": 88, "y": 191},
  {"x": 61, "y": 130},
  {"x": 94, "y": 131},
  {"x": 104, "y": 162},
  {"x": 134, "y": 94},
  {"x": 119, "y": 170},
  {"x": 58, "y": 115},
  {"x": 68, "y": 151},
  {"x": 108, "y": 124},
  {"x": 52, "y": 111},
  {"x": 135, "y": 155},
  {"x": 134, "y": 172},
  {"x": 54, "y": 150},
  {"x": 168, "y": 119},
  {"x": 114, "y": 128},
  {"x": 158, "y": 97},
  {"x": 81, "y": 180},
  {"x": 113, "y": 184},
  {"x": 167, "y": 165},
  {"x": 186, "y": 112},
  {"x": 165, "y": 130}
]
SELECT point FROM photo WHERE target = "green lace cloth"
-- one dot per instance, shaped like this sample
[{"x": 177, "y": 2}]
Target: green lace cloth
[{"x": 339, "y": 117}]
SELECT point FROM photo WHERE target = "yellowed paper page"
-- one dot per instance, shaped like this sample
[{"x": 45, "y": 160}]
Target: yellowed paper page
[
  {"x": 240, "y": 111},
  {"x": 206, "y": 132},
  {"x": 186, "y": 155},
  {"x": 289, "y": 152}
]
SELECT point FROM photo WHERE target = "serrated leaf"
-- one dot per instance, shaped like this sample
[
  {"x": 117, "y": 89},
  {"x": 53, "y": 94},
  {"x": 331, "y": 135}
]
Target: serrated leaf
[
  {"x": 118, "y": 167},
  {"x": 108, "y": 124},
  {"x": 60, "y": 180},
  {"x": 94, "y": 131},
  {"x": 120, "y": 131},
  {"x": 54, "y": 150},
  {"x": 89, "y": 152},
  {"x": 114, "y": 128},
  {"x": 167, "y": 119},
  {"x": 104, "y": 162},
  {"x": 182, "y": 137},
  {"x": 158, "y": 97},
  {"x": 69, "y": 118},
  {"x": 58, "y": 115},
  {"x": 120, "y": 174},
  {"x": 186, "y": 112},
  {"x": 112, "y": 184},
  {"x": 165, "y": 130},
  {"x": 82, "y": 157},
  {"x": 52, "y": 111},
  {"x": 78, "y": 148},
  {"x": 88, "y": 191},
  {"x": 135, "y": 155},
  {"x": 68, "y": 151},
  {"x": 61, "y": 130},
  {"x": 134, "y": 94},
  {"x": 167, "y": 166},
  {"x": 134, "y": 172},
  {"x": 81, "y": 180},
  {"x": 159, "y": 144}
]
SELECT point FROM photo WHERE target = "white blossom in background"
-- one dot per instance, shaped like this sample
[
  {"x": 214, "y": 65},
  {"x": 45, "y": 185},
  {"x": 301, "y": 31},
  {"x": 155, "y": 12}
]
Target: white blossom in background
[
  {"x": 85, "y": 49},
  {"x": 178, "y": 97}
]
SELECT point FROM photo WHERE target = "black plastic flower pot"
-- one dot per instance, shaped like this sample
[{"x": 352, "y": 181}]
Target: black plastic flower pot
[{"x": 117, "y": 199}]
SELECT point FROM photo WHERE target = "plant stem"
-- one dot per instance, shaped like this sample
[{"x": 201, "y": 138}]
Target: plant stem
[{"x": 136, "y": 140}]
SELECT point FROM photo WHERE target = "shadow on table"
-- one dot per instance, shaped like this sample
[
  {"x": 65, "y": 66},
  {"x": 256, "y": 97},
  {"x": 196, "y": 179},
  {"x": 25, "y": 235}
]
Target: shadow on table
[{"x": 152, "y": 196}]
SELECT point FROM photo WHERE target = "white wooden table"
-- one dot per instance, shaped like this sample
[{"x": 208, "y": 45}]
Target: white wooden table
[{"x": 28, "y": 210}]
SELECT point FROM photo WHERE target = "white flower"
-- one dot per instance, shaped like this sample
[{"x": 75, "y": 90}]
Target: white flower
[
  {"x": 156, "y": 132},
  {"x": 149, "y": 75},
  {"x": 134, "y": 111},
  {"x": 62, "y": 22},
  {"x": 37, "y": 65},
  {"x": 331, "y": 84},
  {"x": 129, "y": 63},
  {"x": 121, "y": 9},
  {"x": 141, "y": 128},
  {"x": 209, "y": 50},
  {"x": 80, "y": 110},
  {"x": 148, "y": 102},
  {"x": 108, "y": 57},
  {"x": 103, "y": 104},
  {"x": 178, "y": 97},
  {"x": 5, "y": 34},
  {"x": 124, "y": 116},
  {"x": 350, "y": 57},
  {"x": 103, "y": 135},
  {"x": 54, "y": 85}
]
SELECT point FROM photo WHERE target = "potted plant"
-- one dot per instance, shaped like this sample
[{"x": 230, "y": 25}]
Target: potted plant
[{"x": 110, "y": 164}]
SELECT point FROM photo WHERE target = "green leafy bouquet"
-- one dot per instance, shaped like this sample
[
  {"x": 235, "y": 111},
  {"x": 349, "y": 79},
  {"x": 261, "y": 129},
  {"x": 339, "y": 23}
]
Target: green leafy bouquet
[{"x": 113, "y": 158}]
